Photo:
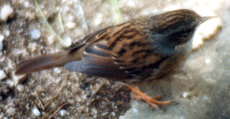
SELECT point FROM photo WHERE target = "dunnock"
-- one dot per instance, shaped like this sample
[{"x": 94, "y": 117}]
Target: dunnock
[{"x": 138, "y": 51}]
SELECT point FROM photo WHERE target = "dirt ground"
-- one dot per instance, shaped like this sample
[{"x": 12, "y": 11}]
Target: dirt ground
[
  {"x": 57, "y": 93},
  {"x": 78, "y": 97}
]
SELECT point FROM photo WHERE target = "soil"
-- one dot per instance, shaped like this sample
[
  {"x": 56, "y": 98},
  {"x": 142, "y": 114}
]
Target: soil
[
  {"x": 79, "y": 96},
  {"x": 58, "y": 93}
]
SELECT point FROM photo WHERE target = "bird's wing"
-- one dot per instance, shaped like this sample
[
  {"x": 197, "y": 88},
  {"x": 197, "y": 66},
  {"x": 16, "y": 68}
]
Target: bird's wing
[{"x": 121, "y": 51}]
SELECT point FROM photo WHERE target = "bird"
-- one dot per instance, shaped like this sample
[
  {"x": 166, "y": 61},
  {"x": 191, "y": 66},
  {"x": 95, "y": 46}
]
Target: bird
[{"x": 138, "y": 51}]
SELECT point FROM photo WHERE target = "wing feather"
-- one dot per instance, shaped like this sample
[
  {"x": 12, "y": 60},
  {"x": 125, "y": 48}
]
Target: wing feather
[{"x": 117, "y": 52}]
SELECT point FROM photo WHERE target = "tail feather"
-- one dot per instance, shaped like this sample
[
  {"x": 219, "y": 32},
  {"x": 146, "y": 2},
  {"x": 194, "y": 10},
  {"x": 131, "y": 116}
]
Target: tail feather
[{"x": 43, "y": 62}]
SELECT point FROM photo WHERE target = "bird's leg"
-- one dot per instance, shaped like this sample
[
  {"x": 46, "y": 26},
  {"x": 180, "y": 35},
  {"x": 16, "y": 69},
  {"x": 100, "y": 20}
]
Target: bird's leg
[{"x": 150, "y": 100}]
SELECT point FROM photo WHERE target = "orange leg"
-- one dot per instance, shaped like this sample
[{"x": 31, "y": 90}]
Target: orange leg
[{"x": 150, "y": 100}]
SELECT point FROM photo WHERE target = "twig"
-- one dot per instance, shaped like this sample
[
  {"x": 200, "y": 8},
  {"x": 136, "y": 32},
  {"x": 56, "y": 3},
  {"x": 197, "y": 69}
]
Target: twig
[
  {"x": 63, "y": 85},
  {"x": 57, "y": 110},
  {"x": 102, "y": 83},
  {"x": 52, "y": 114},
  {"x": 47, "y": 23},
  {"x": 85, "y": 26},
  {"x": 60, "y": 21},
  {"x": 116, "y": 11},
  {"x": 39, "y": 100}
]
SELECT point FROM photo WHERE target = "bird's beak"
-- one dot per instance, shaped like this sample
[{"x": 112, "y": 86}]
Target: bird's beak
[{"x": 205, "y": 18}]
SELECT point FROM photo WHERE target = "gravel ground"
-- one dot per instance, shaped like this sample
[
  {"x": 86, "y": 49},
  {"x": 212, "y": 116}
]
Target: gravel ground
[
  {"x": 58, "y": 93},
  {"x": 29, "y": 37}
]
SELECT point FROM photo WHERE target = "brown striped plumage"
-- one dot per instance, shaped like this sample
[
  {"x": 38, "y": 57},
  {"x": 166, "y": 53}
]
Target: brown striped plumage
[{"x": 137, "y": 51}]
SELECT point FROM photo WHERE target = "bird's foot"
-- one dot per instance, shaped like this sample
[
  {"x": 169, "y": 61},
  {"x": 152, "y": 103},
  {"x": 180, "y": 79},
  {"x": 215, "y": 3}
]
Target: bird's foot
[{"x": 152, "y": 101}]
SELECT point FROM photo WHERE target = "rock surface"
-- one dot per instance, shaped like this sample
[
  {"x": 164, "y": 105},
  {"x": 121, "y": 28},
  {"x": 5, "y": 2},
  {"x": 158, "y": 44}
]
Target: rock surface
[{"x": 201, "y": 90}]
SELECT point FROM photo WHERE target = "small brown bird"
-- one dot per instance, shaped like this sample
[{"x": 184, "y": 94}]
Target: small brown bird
[{"x": 135, "y": 52}]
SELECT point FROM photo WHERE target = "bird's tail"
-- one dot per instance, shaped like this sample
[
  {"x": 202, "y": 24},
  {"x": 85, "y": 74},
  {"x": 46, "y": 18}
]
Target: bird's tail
[{"x": 43, "y": 62}]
